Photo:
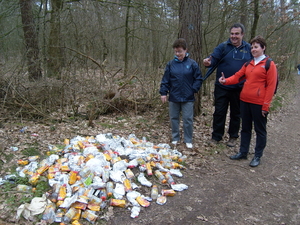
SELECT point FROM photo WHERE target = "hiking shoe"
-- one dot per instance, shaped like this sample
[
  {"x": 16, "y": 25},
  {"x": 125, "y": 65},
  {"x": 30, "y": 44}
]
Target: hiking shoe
[
  {"x": 238, "y": 156},
  {"x": 213, "y": 142},
  {"x": 189, "y": 145},
  {"x": 231, "y": 142},
  {"x": 255, "y": 161},
  {"x": 174, "y": 142}
]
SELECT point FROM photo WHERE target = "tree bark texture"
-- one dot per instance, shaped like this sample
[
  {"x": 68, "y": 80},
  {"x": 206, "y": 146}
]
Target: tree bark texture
[
  {"x": 55, "y": 56},
  {"x": 31, "y": 40},
  {"x": 190, "y": 17}
]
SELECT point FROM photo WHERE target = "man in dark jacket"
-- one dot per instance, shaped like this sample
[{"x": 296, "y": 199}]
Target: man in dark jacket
[
  {"x": 228, "y": 57},
  {"x": 181, "y": 80}
]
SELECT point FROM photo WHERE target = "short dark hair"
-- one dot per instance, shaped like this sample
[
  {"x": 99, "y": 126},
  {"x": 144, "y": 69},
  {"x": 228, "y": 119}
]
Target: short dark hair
[
  {"x": 238, "y": 25},
  {"x": 180, "y": 42},
  {"x": 259, "y": 40}
]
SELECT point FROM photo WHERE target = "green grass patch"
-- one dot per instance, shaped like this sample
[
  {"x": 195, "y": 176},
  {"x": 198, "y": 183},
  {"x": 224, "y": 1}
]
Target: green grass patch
[
  {"x": 32, "y": 150},
  {"x": 276, "y": 103}
]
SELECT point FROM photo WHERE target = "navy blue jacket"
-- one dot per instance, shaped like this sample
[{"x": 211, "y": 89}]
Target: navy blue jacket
[
  {"x": 181, "y": 80},
  {"x": 232, "y": 62}
]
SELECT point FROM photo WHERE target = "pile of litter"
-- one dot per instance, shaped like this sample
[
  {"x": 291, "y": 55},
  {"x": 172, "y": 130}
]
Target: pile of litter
[{"x": 89, "y": 174}]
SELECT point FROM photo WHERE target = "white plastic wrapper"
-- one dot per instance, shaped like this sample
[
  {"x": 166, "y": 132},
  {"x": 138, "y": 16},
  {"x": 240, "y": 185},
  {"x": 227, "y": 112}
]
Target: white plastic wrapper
[
  {"x": 143, "y": 180},
  {"x": 98, "y": 183},
  {"x": 51, "y": 159},
  {"x": 119, "y": 191},
  {"x": 69, "y": 201},
  {"x": 179, "y": 187},
  {"x": 135, "y": 211},
  {"x": 90, "y": 150},
  {"x": 117, "y": 176},
  {"x": 96, "y": 165},
  {"x": 131, "y": 196},
  {"x": 161, "y": 168},
  {"x": 176, "y": 172},
  {"x": 120, "y": 166},
  {"x": 133, "y": 163}
]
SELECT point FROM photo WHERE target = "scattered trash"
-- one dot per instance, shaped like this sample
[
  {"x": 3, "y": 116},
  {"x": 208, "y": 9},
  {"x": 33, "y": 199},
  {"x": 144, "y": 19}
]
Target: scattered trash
[
  {"x": 14, "y": 148},
  {"x": 88, "y": 174}
]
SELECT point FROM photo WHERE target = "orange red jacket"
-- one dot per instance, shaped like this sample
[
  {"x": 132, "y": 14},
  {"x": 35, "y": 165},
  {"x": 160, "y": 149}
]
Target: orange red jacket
[{"x": 260, "y": 84}]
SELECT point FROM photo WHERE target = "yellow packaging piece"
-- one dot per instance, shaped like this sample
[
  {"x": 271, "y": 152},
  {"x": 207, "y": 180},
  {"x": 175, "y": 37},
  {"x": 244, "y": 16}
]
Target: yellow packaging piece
[
  {"x": 89, "y": 215},
  {"x": 42, "y": 169},
  {"x": 127, "y": 185},
  {"x": 118, "y": 202},
  {"x": 34, "y": 178},
  {"x": 73, "y": 177},
  {"x": 23, "y": 162},
  {"x": 80, "y": 144},
  {"x": 149, "y": 169},
  {"x": 88, "y": 157},
  {"x": 77, "y": 214},
  {"x": 75, "y": 222},
  {"x": 107, "y": 157},
  {"x": 62, "y": 193},
  {"x": 143, "y": 202},
  {"x": 67, "y": 141},
  {"x": 129, "y": 174},
  {"x": 58, "y": 203},
  {"x": 64, "y": 168},
  {"x": 79, "y": 205},
  {"x": 80, "y": 160},
  {"x": 94, "y": 204},
  {"x": 168, "y": 192}
]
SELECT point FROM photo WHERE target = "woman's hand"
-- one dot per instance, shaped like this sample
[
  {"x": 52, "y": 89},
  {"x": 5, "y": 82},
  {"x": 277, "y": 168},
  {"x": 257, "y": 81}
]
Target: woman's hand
[
  {"x": 163, "y": 98},
  {"x": 264, "y": 113},
  {"x": 222, "y": 79}
]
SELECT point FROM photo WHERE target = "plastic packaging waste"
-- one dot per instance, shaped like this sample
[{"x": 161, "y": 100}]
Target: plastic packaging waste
[
  {"x": 49, "y": 214},
  {"x": 142, "y": 179},
  {"x": 154, "y": 192}
]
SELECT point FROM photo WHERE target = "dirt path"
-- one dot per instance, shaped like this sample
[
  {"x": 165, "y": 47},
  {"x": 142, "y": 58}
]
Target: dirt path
[{"x": 223, "y": 191}]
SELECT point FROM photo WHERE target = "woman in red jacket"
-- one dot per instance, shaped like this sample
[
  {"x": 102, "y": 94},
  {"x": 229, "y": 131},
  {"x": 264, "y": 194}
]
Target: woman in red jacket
[{"x": 256, "y": 97}]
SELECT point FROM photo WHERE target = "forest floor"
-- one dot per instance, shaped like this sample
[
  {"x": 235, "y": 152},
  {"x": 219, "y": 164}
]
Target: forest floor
[{"x": 220, "y": 191}]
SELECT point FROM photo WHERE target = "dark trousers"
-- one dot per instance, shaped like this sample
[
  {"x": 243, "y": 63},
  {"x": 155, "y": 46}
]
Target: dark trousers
[
  {"x": 252, "y": 114},
  {"x": 223, "y": 98}
]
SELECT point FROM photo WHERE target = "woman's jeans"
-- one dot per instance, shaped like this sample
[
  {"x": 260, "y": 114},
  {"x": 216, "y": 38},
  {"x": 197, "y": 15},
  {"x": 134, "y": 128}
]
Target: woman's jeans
[{"x": 187, "y": 111}]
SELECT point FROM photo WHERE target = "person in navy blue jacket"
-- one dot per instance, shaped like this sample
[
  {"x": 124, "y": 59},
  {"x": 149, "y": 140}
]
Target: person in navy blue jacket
[
  {"x": 181, "y": 80},
  {"x": 228, "y": 57}
]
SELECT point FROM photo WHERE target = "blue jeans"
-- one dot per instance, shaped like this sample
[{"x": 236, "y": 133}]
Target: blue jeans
[{"x": 187, "y": 111}]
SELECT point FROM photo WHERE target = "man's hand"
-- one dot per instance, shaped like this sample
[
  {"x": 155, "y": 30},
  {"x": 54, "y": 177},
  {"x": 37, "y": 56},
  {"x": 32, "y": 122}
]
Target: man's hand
[{"x": 207, "y": 61}]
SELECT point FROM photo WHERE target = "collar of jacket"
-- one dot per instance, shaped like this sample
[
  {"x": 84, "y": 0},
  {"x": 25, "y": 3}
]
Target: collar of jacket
[{"x": 185, "y": 57}]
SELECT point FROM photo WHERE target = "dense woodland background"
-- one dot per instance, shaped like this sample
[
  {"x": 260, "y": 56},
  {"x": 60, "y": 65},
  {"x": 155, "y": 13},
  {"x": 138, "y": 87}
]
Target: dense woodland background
[{"x": 64, "y": 58}]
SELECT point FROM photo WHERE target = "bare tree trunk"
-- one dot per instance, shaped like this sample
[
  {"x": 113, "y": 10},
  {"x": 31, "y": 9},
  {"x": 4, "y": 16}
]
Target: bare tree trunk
[
  {"x": 55, "y": 57},
  {"x": 190, "y": 17},
  {"x": 244, "y": 12},
  {"x": 256, "y": 18},
  {"x": 127, "y": 30},
  {"x": 31, "y": 40}
]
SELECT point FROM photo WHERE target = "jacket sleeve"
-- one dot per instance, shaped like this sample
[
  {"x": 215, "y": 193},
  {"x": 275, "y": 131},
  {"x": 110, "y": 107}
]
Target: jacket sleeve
[
  {"x": 165, "y": 82},
  {"x": 197, "y": 78},
  {"x": 271, "y": 82},
  {"x": 237, "y": 77}
]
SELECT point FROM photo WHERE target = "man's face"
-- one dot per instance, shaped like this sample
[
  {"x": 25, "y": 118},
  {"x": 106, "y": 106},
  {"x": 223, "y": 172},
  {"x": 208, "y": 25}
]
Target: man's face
[{"x": 236, "y": 36}]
